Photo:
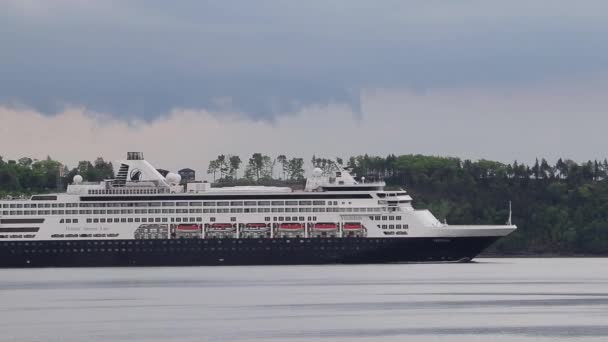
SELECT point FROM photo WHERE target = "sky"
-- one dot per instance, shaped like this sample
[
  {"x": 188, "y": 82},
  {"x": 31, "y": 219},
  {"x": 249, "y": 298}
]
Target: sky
[{"x": 184, "y": 81}]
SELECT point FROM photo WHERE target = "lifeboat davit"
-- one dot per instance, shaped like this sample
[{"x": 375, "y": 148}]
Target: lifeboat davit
[{"x": 352, "y": 226}]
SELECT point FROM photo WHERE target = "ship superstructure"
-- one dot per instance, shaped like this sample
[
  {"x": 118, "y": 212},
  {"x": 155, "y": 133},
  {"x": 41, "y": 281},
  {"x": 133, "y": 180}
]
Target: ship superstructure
[{"x": 143, "y": 218}]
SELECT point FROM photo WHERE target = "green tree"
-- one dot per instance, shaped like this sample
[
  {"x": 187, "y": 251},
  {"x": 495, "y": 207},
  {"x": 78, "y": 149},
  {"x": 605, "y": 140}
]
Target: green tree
[
  {"x": 282, "y": 159},
  {"x": 296, "y": 168},
  {"x": 235, "y": 164},
  {"x": 213, "y": 168},
  {"x": 259, "y": 166}
]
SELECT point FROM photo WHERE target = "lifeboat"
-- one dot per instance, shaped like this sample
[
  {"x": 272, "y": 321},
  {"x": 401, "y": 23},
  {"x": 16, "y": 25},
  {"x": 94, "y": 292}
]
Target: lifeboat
[
  {"x": 291, "y": 226},
  {"x": 187, "y": 227},
  {"x": 325, "y": 226},
  {"x": 256, "y": 227},
  {"x": 352, "y": 226},
  {"x": 221, "y": 227}
]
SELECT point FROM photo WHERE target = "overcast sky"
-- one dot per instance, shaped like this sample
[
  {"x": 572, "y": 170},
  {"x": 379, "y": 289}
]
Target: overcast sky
[{"x": 185, "y": 80}]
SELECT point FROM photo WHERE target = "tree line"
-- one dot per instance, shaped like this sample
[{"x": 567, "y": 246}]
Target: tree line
[
  {"x": 28, "y": 176},
  {"x": 259, "y": 168},
  {"x": 560, "y": 208}
]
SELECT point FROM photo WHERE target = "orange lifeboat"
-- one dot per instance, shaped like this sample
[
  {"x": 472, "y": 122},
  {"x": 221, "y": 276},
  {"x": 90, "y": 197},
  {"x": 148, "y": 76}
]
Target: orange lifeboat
[
  {"x": 221, "y": 226},
  {"x": 256, "y": 227},
  {"x": 325, "y": 226},
  {"x": 352, "y": 226},
  {"x": 187, "y": 227},
  {"x": 291, "y": 226}
]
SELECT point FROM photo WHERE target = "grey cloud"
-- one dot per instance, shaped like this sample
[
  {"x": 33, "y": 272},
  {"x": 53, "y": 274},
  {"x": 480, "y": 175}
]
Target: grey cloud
[{"x": 144, "y": 58}]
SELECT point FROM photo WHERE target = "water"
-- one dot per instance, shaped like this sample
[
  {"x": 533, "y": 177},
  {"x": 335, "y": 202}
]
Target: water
[{"x": 491, "y": 300}]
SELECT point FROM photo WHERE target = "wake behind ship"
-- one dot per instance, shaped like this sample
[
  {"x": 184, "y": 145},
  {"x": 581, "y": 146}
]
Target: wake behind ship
[{"x": 144, "y": 219}]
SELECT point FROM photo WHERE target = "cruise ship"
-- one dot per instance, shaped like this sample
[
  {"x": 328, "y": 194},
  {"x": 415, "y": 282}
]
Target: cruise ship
[{"x": 142, "y": 218}]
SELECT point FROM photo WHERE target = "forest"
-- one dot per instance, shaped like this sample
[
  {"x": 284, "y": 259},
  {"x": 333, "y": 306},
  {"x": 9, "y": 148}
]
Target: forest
[{"x": 560, "y": 209}]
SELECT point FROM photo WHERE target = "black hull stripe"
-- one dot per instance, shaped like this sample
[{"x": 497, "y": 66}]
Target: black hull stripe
[
  {"x": 20, "y": 230},
  {"x": 21, "y": 221},
  {"x": 195, "y": 252}
]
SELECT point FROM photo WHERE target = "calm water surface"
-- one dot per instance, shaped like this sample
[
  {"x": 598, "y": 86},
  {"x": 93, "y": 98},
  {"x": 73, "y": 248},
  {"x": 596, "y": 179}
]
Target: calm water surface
[{"x": 491, "y": 300}]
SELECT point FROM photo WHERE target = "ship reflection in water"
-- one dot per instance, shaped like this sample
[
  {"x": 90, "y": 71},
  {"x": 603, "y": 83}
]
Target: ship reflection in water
[{"x": 491, "y": 300}]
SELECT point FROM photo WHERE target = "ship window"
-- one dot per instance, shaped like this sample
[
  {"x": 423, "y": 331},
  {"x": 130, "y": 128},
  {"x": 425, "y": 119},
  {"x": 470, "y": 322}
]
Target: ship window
[
  {"x": 199, "y": 219},
  {"x": 168, "y": 204},
  {"x": 178, "y": 219},
  {"x": 157, "y": 219},
  {"x": 291, "y": 202},
  {"x": 249, "y": 203},
  {"x": 305, "y": 202},
  {"x": 182, "y": 204},
  {"x": 318, "y": 202},
  {"x": 196, "y": 204},
  {"x": 95, "y": 220},
  {"x": 61, "y": 221},
  {"x": 287, "y": 218},
  {"x": 212, "y": 219},
  {"x": 233, "y": 219},
  {"x": 102, "y": 220},
  {"x": 278, "y": 202},
  {"x": 209, "y": 204},
  {"x": 263, "y": 202},
  {"x": 384, "y": 218},
  {"x": 398, "y": 218}
]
